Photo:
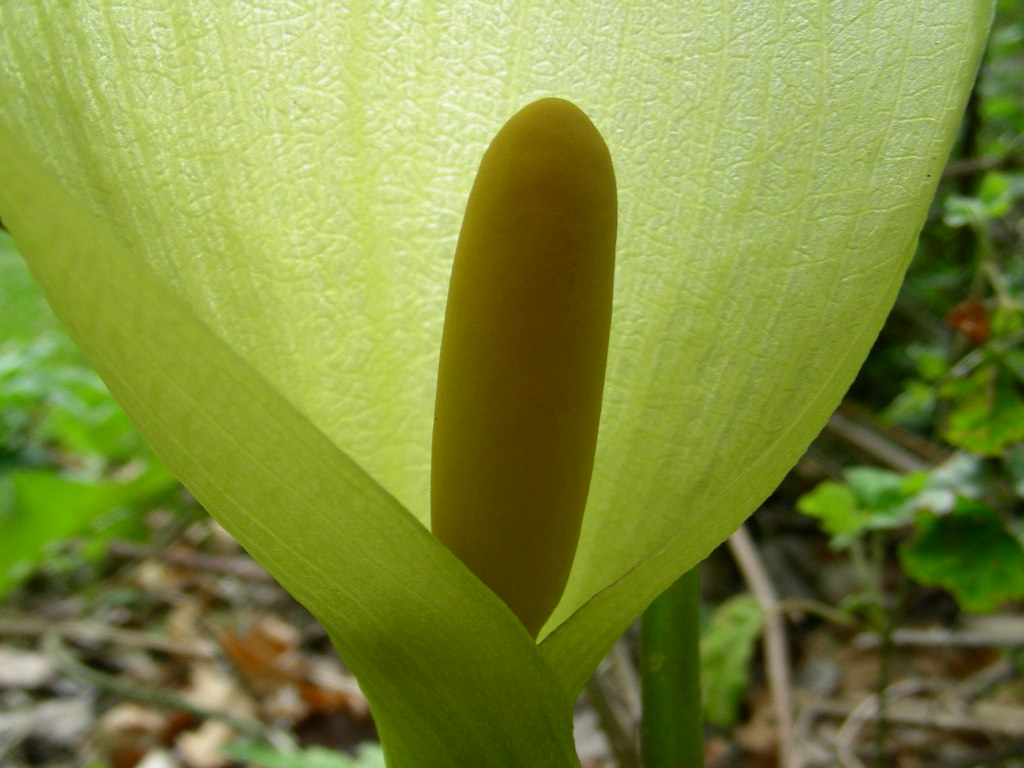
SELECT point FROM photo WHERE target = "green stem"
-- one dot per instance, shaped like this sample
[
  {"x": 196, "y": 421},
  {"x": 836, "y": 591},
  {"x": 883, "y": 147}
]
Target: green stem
[{"x": 672, "y": 734}]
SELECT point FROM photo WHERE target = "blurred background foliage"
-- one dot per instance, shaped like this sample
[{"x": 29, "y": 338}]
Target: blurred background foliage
[
  {"x": 74, "y": 473},
  {"x": 947, "y": 374}
]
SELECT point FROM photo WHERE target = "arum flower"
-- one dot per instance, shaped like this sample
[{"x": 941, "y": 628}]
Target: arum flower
[{"x": 246, "y": 213}]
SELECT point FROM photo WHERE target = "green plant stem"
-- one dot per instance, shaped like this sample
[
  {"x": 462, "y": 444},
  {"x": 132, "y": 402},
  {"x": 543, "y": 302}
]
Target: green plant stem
[
  {"x": 672, "y": 734},
  {"x": 867, "y": 567}
]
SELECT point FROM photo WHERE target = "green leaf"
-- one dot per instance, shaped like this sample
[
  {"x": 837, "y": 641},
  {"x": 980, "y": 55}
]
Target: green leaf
[
  {"x": 725, "y": 652},
  {"x": 1014, "y": 362},
  {"x": 930, "y": 363},
  {"x": 913, "y": 407},
  {"x": 871, "y": 499},
  {"x": 246, "y": 213},
  {"x": 25, "y": 314},
  {"x": 969, "y": 552},
  {"x": 41, "y": 508},
  {"x": 883, "y": 494},
  {"x": 1007, "y": 320},
  {"x": 987, "y": 411},
  {"x": 961, "y": 476},
  {"x": 1013, "y": 462},
  {"x": 259, "y": 756},
  {"x": 963, "y": 211},
  {"x": 835, "y": 507},
  {"x": 997, "y": 193},
  {"x": 51, "y": 400},
  {"x": 995, "y": 196}
]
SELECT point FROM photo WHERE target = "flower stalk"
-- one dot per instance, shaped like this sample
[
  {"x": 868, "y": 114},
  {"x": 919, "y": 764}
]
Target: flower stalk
[{"x": 671, "y": 733}]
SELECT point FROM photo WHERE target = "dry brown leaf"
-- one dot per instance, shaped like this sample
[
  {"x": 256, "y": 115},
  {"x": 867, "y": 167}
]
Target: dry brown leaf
[{"x": 266, "y": 654}]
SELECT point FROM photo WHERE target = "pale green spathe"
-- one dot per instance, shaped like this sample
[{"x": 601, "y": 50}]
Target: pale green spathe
[{"x": 246, "y": 215}]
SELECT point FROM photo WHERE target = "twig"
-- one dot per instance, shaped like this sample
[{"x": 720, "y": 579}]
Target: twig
[
  {"x": 989, "y": 757},
  {"x": 973, "y": 686},
  {"x": 982, "y": 717},
  {"x": 867, "y": 710},
  {"x": 876, "y": 445},
  {"x": 27, "y": 626},
  {"x": 776, "y": 644},
  {"x": 241, "y": 567},
  {"x": 802, "y": 605},
  {"x": 849, "y": 730},
  {"x": 939, "y": 637},
  {"x": 974, "y": 166},
  {"x": 89, "y": 631},
  {"x": 17, "y": 727}
]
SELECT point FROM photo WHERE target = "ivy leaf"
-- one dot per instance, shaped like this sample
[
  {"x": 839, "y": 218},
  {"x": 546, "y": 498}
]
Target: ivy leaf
[
  {"x": 971, "y": 553},
  {"x": 913, "y": 406},
  {"x": 987, "y": 410},
  {"x": 871, "y": 499},
  {"x": 834, "y": 505},
  {"x": 39, "y": 508},
  {"x": 884, "y": 495}
]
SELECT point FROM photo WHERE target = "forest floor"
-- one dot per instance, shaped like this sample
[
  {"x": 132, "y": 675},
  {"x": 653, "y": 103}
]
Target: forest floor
[{"x": 183, "y": 653}]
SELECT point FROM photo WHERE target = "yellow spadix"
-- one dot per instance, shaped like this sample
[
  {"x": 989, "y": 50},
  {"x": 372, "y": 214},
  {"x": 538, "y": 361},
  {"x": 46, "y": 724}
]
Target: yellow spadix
[{"x": 523, "y": 356}]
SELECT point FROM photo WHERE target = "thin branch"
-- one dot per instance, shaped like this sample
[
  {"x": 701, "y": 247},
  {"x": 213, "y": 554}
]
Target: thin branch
[
  {"x": 975, "y": 166},
  {"x": 241, "y": 567},
  {"x": 868, "y": 710},
  {"x": 776, "y": 643},
  {"x": 989, "y": 757},
  {"x": 876, "y": 445},
  {"x": 28, "y": 626},
  {"x": 982, "y": 636},
  {"x": 797, "y": 606},
  {"x": 942, "y": 714}
]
